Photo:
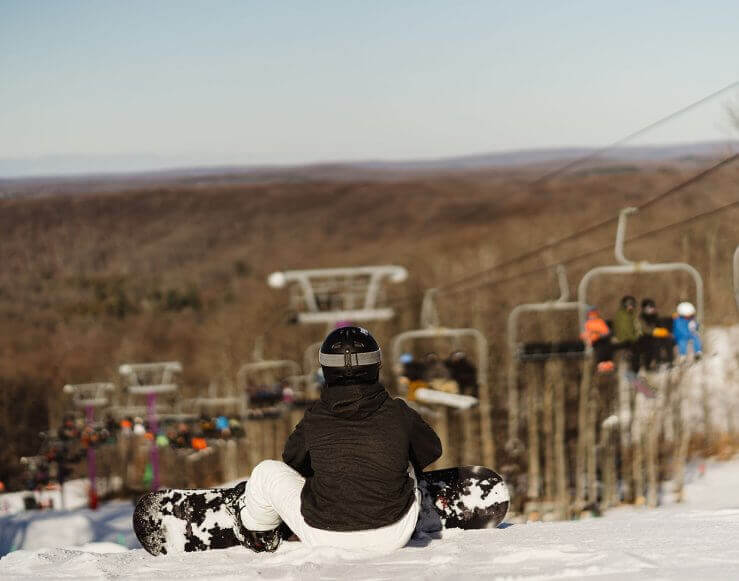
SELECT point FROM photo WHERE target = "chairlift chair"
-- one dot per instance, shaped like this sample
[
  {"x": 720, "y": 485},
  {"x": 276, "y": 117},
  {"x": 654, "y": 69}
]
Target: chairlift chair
[
  {"x": 517, "y": 353},
  {"x": 329, "y": 295},
  {"x": 159, "y": 380},
  {"x": 626, "y": 266},
  {"x": 284, "y": 369},
  {"x": 90, "y": 396},
  {"x": 431, "y": 329}
]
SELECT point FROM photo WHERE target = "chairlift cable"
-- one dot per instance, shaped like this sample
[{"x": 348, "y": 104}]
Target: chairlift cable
[
  {"x": 444, "y": 289},
  {"x": 588, "y": 254},
  {"x": 600, "y": 249},
  {"x": 600, "y": 151}
]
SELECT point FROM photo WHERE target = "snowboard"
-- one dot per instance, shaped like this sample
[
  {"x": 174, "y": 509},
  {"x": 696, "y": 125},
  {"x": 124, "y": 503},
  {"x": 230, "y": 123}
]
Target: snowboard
[
  {"x": 454, "y": 400},
  {"x": 173, "y": 521}
]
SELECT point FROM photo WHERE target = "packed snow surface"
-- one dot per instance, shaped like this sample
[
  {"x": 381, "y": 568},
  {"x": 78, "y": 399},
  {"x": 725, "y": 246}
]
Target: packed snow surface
[{"x": 695, "y": 540}]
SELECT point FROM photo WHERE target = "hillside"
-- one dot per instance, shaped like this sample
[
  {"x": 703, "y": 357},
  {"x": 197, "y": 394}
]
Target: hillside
[{"x": 178, "y": 271}]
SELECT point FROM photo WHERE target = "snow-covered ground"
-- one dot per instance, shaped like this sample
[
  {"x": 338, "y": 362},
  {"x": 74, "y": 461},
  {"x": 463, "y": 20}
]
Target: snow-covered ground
[
  {"x": 74, "y": 494},
  {"x": 696, "y": 540}
]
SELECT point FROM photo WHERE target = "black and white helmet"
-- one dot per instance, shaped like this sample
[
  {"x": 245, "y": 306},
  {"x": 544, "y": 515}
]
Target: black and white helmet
[{"x": 350, "y": 355}]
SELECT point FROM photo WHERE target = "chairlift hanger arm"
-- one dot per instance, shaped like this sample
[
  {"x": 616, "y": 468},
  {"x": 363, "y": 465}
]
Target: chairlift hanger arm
[
  {"x": 626, "y": 266},
  {"x": 559, "y": 304}
]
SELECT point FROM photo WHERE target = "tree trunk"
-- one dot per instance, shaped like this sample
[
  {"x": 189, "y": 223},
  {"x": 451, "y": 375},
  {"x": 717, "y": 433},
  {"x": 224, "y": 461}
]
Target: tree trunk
[
  {"x": 582, "y": 432},
  {"x": 532, "y": 400}
]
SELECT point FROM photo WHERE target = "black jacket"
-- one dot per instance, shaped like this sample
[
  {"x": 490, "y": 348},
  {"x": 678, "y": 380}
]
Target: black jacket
[{"x": 353, "y": 446}]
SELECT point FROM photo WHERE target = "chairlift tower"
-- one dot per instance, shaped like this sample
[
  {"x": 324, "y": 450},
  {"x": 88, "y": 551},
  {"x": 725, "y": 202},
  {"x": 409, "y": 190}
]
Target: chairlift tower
[
  {"x": 89, "y": 396},
  {"x": 330, "y": 295},
  {"x": 736, "y": 276},
  {"x": 159, "y": 380}
]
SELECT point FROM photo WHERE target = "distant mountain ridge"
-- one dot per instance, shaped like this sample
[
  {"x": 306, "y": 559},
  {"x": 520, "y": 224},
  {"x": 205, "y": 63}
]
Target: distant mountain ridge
[{"x": 30, "y": 176}]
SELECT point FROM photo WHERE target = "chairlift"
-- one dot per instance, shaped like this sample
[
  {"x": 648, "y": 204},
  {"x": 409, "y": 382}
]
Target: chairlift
[
  {"x": 586, "y": 428},
  {"x": 280, "y": 369},
  {"x": 329, "y": 295},
  {"x": 627, "y": 266},
  {"x": 518, "y": 352},
  {"x": 198, "y": 404},
  {"x": 151, "y": 380},
  {"x": 90, "y": 396},
  {"x": 431, "y": 329}
]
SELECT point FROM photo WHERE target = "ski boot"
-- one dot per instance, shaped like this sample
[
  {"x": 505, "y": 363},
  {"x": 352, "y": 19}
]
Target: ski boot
[
  {"x": 262, "y": 541},
  {"x": 605, "y": 367}
]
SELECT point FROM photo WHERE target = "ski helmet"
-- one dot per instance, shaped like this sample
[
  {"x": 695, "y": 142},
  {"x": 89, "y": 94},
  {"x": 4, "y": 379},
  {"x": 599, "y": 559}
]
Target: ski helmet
[
  {"x": 685, "y": 309},
  {"x": 350, "y": 355}
]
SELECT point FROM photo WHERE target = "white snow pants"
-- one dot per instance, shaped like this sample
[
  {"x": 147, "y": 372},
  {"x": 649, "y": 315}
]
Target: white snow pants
[{"x": 273, "y": 494}]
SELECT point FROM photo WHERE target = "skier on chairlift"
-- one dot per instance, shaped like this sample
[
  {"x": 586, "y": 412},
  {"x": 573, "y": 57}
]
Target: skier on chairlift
[
  {"x": 626, "y": 329},
  {"x": 685, "y": 330},
  {"x": 656, "y": 338},
  {"x": 348, "y": 475},
  {"x": 598, "y": 335}
]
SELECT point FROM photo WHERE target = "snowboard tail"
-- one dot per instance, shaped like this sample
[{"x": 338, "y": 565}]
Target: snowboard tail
[
  {"x": 174, "y": 521},
  {"x": 188, "y": 520}
]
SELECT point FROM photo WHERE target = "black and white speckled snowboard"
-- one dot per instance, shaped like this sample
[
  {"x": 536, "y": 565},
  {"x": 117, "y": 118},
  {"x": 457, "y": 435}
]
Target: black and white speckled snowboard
[{"x": 185, "y": 520}]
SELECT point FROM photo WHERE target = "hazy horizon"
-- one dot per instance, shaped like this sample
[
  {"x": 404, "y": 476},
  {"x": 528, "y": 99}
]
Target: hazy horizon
[{"x": 75, "y": 165}]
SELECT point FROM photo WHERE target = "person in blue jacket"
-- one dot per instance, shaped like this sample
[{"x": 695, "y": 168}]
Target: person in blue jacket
[{"x": 685, "y": 330}]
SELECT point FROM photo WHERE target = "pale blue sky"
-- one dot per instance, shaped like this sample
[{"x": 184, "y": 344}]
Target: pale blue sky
[{"x": 293, "y": 82}]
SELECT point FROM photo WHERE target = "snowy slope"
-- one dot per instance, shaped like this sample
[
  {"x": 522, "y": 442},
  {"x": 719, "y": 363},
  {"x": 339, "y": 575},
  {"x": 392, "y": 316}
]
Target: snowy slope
[{"x": 695, "y": 540}]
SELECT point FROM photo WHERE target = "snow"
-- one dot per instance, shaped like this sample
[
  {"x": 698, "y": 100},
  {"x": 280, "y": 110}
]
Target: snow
[
  {"x": 36, "y": 530},
  {"x": 697, "y": 539},
  {"x": 75, "y": 495}
]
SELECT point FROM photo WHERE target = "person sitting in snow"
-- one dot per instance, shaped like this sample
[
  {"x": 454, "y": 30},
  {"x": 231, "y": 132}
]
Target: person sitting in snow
[
  {"x": 348, "y": 475},
  {"x": 685, "y": 330}
]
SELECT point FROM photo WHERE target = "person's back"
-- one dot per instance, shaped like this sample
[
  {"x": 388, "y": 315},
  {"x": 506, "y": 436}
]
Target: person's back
[{"x": 354, "y": 446}]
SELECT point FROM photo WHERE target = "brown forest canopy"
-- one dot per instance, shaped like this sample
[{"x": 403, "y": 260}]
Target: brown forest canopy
[{"x": 178, "y": 272}]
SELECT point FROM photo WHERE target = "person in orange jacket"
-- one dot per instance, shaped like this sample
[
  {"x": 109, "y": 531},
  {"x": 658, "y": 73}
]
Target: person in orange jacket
[{"x": 597, "y": 333}]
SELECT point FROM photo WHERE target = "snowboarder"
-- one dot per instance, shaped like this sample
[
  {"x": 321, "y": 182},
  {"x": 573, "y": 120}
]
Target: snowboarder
[{"x": 347, "y": 478}]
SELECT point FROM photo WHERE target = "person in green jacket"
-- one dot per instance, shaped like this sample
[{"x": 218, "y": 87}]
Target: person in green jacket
[{"x": 627, "y": 329}]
